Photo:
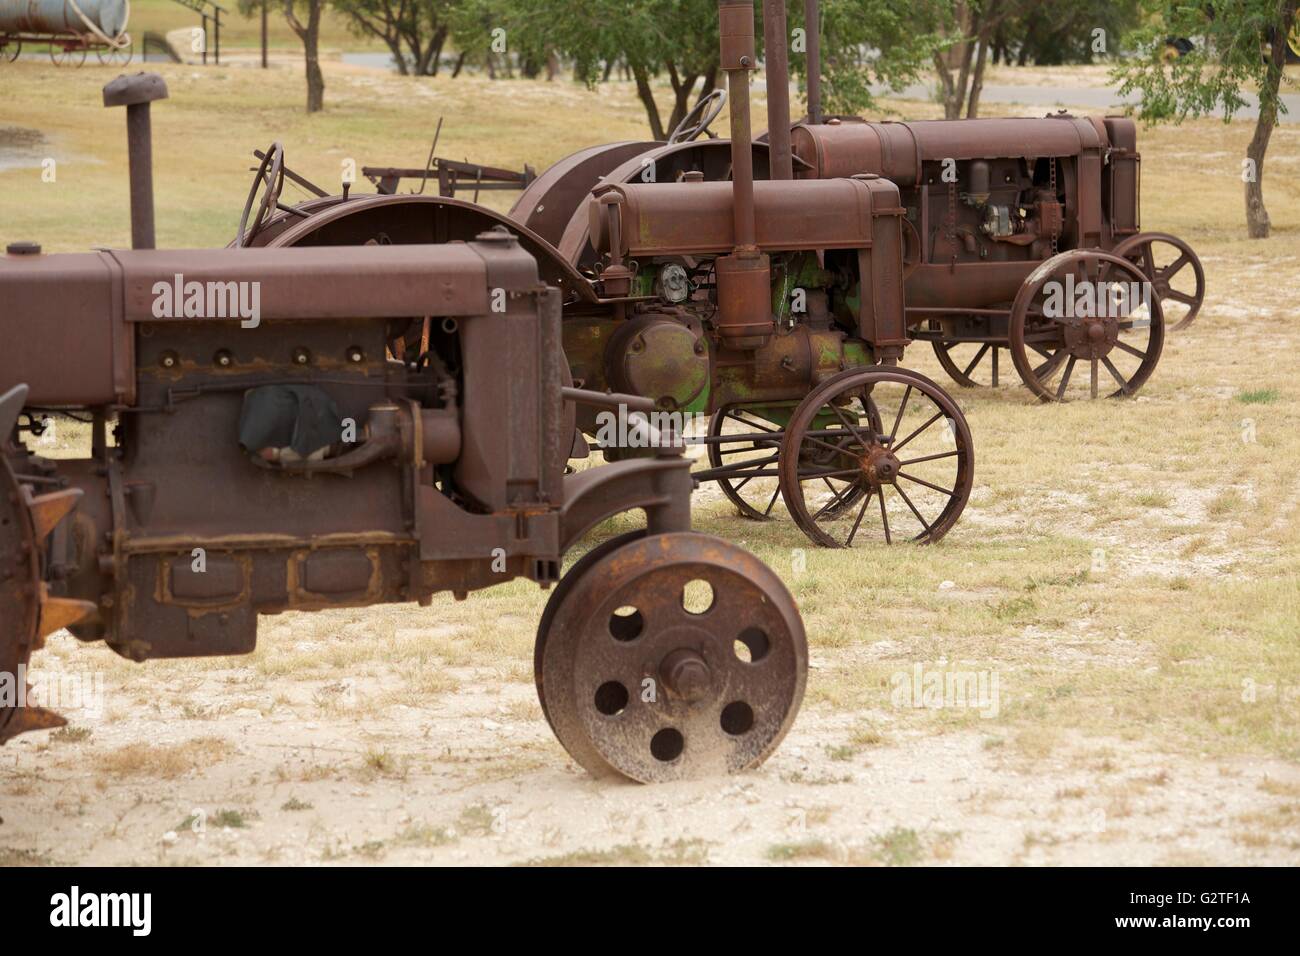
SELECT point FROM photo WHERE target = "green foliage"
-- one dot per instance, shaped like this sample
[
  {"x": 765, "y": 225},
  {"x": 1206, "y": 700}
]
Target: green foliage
[{"x": 1227, "y": 58}]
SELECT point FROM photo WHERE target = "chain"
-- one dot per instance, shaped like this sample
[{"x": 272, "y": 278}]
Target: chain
[
  {"x": 952, "y": 222},
  {"x": 1056, "y": 228}
]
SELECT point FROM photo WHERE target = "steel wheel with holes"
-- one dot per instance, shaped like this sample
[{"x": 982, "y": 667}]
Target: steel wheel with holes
[
  {"x": 558, "y": 597},
  {"x": 888, "y": 437},
  {"x": 1090, "y": 308},
  {"x": 1174, "y": 272},
  {"x": 756, "y": 446},
  {"x": 672, "y": 657}
]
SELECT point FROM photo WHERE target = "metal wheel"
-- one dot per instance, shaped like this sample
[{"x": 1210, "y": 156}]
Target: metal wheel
[
  {"x": 1091, "y": 307},
  {"x": 971, "y": 364},
  {"x": 558, "y": 597},
  {"x": 9, "y": 51},
  {"x": 756, "y": 446},
  {"x": 673, "y": 657},
  {"x": 914, "y": 479},
  {"x": 27, "y": 613},
  {"x": 62, "y": 55},
  {"x": 115, "y": 55},
  {"x": 1174, "y": 272},
  {"x": 19, "y": 584}
]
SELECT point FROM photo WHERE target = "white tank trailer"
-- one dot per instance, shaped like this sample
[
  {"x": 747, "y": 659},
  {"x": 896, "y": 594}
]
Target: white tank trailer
[{"x": 63, "y": 17}]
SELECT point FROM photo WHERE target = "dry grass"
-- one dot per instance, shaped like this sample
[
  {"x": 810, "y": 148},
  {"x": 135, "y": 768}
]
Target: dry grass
[{"x": 167, "y": 761}]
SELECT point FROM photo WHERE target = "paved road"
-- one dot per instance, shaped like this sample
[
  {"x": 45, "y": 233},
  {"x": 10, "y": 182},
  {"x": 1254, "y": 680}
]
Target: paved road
[{"x": 1094, "y": 98}]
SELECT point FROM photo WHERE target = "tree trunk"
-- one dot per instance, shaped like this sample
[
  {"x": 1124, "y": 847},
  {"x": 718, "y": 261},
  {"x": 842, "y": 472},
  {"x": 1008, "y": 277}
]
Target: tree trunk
[
  {"x": 552, "y": 65},
  {"x": 1257, "y": 221},
  {"x": 647, "y": 97},
  {"x": 460, "y": 65},
  {"x": 309, "y": 34},
  {"x": 977, "y": 78}
]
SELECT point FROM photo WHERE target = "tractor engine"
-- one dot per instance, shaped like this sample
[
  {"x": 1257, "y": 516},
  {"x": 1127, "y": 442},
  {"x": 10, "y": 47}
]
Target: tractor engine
[{"x": 823, "y": 294}]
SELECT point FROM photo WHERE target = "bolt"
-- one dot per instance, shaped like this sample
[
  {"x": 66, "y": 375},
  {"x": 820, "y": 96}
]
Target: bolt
[{"x": 685, "y": 674}]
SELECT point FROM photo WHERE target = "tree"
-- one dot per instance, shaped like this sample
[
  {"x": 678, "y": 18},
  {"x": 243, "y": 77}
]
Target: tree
[
  {"x": 864, "y": 42},
  {"x": 414, "y": 30},
  {"x": 969, "y": 29},
  {"x": 1237, "y": 44},
  {"x": 1081, "y": 31},
  {"x": 673, "y": 38},
  {"x": 309, "y": 34}
]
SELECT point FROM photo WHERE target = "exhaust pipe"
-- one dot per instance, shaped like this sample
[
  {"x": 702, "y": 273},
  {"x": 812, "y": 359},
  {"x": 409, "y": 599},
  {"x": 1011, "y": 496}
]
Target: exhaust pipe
[
  {"x": 813, "y": 26},
  {"x": 136, "y": 93},
  {"x": 778, "y": 89},
  {"x": 744, "y": 278}
]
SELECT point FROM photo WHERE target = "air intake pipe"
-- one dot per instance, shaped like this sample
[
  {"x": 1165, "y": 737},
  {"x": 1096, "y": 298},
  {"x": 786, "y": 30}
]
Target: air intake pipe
[{"x": 744, "y": 278}]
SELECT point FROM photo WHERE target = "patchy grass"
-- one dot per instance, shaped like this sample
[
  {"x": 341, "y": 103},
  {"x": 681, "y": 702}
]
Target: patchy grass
[{"x": 167, "y": 761}]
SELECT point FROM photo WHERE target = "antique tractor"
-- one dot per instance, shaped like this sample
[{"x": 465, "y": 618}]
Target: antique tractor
[
  {"x": 295, "y": 429},
  {"x": 704, "y": 277},
  {"x": 1003, "y": 218},
  {"x": 1024, "y": 235}
]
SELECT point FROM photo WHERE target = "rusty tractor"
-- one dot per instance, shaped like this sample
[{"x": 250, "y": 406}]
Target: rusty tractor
[
  {"x": 761, "y": 313},
  {"x": 1024, "y": 235},
  {"x": 251, "y": 432}
]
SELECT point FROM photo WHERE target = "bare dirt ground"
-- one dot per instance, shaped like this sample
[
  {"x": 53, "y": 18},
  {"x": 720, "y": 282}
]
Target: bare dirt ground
[{"x": 1128, "y": 572}]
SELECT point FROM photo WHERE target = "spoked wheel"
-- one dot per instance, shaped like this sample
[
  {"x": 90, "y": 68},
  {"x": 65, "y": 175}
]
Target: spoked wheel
[
  {"x": 62, "y": 55},
  {"x": 1090, "y": 308},
  {"x": 754, "y": 450},
  {"x": 27, "y": 613},
  {"x": 1174, "y": 272},
  {"x": 672, "y": 657},
  {"x": 972, "y": 364},
  {"x": 115, "y": 55},
  {"x": 876, "y": 453}
]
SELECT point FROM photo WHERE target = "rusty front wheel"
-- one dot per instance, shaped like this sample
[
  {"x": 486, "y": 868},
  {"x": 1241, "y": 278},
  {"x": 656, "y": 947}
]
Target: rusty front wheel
[
  {"x": 914, "y": 479},
  {"x": 1090, "y": 308},
  {"x": 1174, "y": 272},
  {"x": 673, "y": 657}
]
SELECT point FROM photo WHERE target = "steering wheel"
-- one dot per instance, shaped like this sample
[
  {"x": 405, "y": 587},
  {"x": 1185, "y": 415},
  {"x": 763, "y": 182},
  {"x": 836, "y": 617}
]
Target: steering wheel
[
  {"x": 704, "y": 112},
  {"x": 271, "y": 175}
]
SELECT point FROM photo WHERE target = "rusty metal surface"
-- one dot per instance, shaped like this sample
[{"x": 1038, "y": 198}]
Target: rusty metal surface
[
  {"x": 696, "y": 218},
  {"x": 549, "y": 202},
  {"x": 19, "y": 578},
  {"x": 637, "y": 682},
  {"x": 709, "y": 159},
  {"x": 400, "y": 220}
]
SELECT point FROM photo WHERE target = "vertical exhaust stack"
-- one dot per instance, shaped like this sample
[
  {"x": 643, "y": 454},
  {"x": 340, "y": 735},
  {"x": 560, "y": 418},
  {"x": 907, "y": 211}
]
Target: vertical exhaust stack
[
  {"x": 744, "y": 278},
  {"x": 136, "y": 93},
  {"x": 776, "y": 53},
  {"x": 813, "y": 26}
]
